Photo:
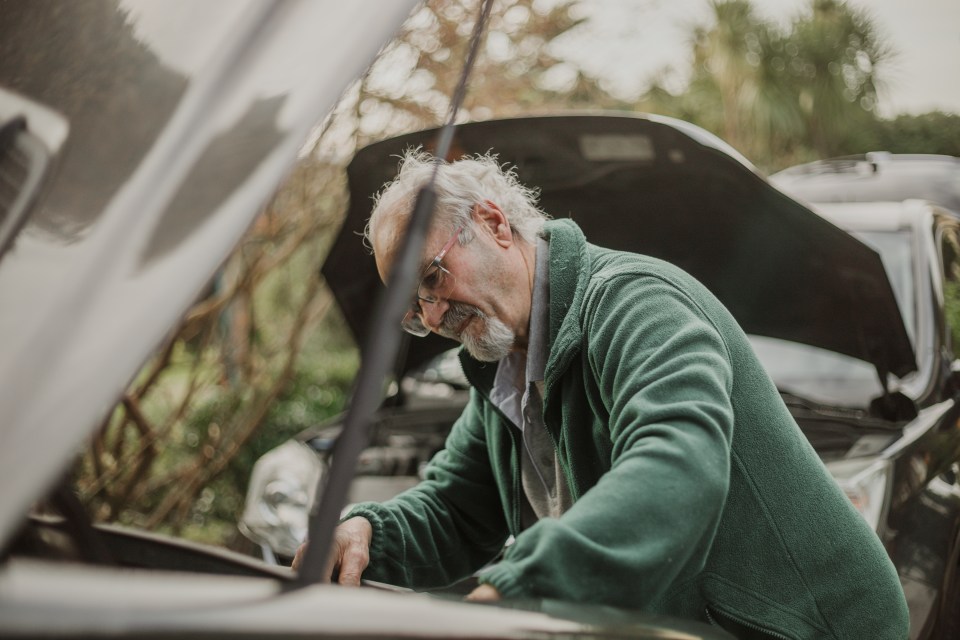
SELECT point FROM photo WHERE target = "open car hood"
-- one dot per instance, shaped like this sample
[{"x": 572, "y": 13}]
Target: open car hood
[
  {"x": 150, "y": 136},
  {"x": 664, "y": 188}
]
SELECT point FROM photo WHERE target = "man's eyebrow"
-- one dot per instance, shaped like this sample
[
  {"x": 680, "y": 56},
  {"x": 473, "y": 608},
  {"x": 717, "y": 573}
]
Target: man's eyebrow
[{"x": 426, "y": 265}]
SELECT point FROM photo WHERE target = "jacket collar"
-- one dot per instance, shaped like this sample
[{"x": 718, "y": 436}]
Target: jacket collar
[{"x": 569, "y": 274}]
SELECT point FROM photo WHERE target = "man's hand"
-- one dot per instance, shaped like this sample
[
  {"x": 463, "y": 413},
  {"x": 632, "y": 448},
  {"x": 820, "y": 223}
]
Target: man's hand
[
  {"x": 350, "y": 553},
  {"x": 484, "y": 593}
]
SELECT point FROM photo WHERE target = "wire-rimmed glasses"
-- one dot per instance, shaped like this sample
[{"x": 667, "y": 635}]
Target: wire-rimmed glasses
[{"x": 435, "y": 278}]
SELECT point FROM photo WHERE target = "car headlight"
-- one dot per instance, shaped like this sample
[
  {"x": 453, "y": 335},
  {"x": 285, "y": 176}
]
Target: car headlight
[
  {"x": 866, "y": 482},
  {"x": 283, "y": 486}
]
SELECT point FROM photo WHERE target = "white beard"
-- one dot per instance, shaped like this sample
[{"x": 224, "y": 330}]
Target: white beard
[{"x": 492, "y": 345}]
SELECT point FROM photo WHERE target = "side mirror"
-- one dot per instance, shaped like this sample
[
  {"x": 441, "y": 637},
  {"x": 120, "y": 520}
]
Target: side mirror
[{"x": 894, "y": 406}]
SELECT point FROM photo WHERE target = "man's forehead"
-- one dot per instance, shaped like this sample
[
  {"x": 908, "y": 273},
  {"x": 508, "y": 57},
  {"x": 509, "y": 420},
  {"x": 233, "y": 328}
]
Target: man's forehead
[
  {"x": 384, "y": 246},
  {"x": 386, "y": 236}
]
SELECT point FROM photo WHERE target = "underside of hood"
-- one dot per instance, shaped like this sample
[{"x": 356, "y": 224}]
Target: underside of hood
[
  {"x": 664, "y": 188},
  {"x": 138, "y": 141}
]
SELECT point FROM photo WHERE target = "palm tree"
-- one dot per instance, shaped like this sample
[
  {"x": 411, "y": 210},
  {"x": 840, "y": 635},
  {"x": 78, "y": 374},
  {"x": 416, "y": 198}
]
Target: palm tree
[
  {"x": 724, "y": 67},
  {"x": 737, "y": 88},
  {"x": 839, "y": 56},
  {"x": 781, "y": 95}
]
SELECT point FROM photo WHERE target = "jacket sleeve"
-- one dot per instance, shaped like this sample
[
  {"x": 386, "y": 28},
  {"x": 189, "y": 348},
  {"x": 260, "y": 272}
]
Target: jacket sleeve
[
  {"x": 446, "y": 527},
  {"x": 663, "y": 372}
]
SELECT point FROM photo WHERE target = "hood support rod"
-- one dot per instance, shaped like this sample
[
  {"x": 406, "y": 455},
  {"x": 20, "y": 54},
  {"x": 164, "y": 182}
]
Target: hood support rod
[{"x": 381, "y": 346}]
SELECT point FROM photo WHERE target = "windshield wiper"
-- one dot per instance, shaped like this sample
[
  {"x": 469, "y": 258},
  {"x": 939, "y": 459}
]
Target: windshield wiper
[{"x": 807, "y": 410}]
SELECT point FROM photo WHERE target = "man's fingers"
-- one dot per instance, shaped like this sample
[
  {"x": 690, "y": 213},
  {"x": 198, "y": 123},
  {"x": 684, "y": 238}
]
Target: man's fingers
[
  {"x": 351, "y": 552},
  {"x": 353, "y": 561},
  {"x": 298, "y": 557},
  {"x": 484, "y": 593}
]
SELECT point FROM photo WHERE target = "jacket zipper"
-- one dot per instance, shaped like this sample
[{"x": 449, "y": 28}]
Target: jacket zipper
[{"x": 743, "y": 623}]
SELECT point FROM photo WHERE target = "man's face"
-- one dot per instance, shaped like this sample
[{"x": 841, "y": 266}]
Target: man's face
[
  {"x": 468, "y": 306},
  {"x": 486, "y": 338}
]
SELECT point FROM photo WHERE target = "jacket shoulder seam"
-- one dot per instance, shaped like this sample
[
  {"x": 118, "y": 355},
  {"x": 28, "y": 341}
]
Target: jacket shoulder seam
[{"x": 735, "y": 457}]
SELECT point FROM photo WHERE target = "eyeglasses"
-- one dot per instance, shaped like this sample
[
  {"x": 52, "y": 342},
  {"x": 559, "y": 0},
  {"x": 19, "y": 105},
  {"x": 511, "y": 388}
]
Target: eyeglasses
[{"x": 435, "y": 278}]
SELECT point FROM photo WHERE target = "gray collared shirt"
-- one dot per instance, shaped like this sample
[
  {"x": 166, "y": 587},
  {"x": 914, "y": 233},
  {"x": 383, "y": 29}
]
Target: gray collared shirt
[{"x": 518, "y": 393}]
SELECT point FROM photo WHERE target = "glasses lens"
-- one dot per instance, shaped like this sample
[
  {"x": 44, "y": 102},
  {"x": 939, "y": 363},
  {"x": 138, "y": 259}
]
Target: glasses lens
[
  {"x": 433, "y": 280},
  {"x": 411, "y": 323}
]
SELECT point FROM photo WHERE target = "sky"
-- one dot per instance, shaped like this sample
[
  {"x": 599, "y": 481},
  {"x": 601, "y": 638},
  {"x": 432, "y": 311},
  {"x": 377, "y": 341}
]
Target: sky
[{"x": 626, "y": 41}]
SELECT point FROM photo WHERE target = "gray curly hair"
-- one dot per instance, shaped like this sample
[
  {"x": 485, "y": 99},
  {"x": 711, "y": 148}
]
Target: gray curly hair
[{"x": 460, "y": 185}]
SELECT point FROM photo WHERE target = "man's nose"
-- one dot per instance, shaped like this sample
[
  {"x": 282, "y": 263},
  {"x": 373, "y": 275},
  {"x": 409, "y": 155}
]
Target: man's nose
[{"x": 433, "y": 312}]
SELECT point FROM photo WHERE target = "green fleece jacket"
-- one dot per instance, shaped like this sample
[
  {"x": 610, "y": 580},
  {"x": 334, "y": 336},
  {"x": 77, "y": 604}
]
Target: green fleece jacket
[{"x": 696, "y": 494}]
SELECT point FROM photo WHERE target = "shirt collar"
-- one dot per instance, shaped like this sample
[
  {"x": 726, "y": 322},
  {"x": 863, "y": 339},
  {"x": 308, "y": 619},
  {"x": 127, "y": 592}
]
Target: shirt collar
[{"x": 537, "y": 347}]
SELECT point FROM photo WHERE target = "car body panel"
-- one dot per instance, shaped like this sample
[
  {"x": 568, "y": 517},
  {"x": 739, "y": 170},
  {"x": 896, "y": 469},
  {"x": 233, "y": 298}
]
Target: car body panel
[
  {"x": 162, "y": 587},
  {"x": 97, "y": 602}
]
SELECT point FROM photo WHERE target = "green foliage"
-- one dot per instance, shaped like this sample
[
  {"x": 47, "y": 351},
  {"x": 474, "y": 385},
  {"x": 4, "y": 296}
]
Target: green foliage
[
  {"x": 409, "y": 86},
  {"x": 951, "y": 310},
  {"x": 934, "y": 132},
  {"x": 782, "y": 95}
]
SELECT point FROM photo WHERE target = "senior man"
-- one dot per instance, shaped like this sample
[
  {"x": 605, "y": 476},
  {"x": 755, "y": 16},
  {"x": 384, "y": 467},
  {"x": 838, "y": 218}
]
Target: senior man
[{"x": 619, "y": 426}]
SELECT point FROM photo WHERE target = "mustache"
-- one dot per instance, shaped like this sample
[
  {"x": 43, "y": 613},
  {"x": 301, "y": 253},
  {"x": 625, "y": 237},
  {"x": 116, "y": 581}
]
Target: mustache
[{"x": 457, "y": 313}]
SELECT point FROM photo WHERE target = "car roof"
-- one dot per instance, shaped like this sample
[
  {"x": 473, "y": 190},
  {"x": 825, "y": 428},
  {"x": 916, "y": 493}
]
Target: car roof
[
  {"x": 876, "y": 177},
  {"x": 873, "y": 216}
]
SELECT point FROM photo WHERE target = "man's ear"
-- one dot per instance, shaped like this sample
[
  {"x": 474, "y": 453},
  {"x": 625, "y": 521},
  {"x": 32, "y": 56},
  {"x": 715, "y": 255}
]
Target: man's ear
[{"x": 490, "y": 217}]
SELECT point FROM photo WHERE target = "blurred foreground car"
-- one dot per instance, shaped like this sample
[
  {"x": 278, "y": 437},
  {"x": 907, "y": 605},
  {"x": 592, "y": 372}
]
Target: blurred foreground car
[
  {"x": 138, "y": 140},
  {"x": 862, "y": 348}
]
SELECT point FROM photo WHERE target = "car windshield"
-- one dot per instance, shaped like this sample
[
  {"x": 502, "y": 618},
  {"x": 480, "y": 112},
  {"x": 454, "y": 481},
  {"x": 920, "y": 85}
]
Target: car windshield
[{"x": 833, "y": 378}]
